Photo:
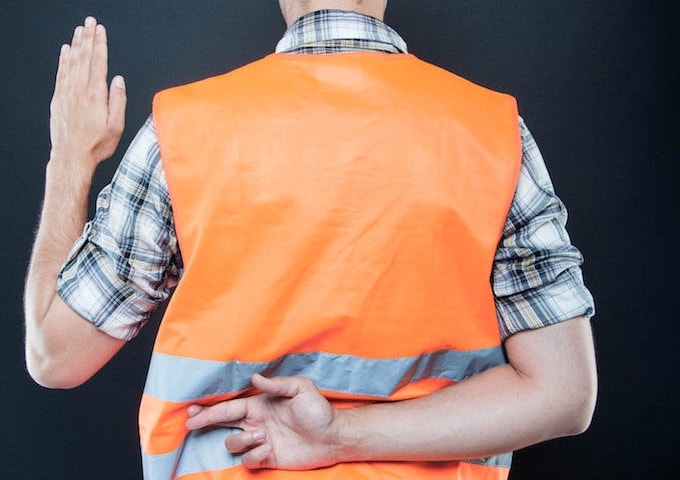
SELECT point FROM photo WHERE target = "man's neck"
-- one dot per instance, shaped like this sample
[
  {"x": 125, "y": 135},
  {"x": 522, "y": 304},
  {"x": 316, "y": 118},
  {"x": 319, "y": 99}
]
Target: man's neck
[{"x": 294, "y": 9}]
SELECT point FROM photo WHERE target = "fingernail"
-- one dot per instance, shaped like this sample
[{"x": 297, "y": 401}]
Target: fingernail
[
  {"x": 193, "y": 410},
  {"x": 259, "y": 435},
  {"x": 79, "y": 31},
  {"x": 90, "y": 22},
  {"x": 119, "y": 81},
  {"x": 100, "y": 29},
  {"x": 64, "y": 49}
]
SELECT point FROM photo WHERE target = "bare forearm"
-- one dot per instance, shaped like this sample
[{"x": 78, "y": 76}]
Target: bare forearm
[
  {"x": 501, "y": 410},
  {"x": 62, "y": 220},
  {"x": 87, "y": 119},
  {"x": 459, "y": 422}
]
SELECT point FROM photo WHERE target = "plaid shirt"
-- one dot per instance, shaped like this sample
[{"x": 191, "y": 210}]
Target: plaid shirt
[{"x": 128, "y": 260}]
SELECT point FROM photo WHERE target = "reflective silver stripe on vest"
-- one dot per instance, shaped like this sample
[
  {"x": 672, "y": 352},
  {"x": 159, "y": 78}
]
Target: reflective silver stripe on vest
[
  {"x": 504, "y": 461},
  {"x": 204, "y": 451},
  {"x": 178, "y": 379}
]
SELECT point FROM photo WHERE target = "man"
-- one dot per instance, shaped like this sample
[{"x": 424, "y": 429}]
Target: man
[{"x": 332, "y": 214}]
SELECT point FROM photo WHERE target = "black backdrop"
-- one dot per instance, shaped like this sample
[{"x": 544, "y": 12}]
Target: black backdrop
[{"x": 597, "y": 82}]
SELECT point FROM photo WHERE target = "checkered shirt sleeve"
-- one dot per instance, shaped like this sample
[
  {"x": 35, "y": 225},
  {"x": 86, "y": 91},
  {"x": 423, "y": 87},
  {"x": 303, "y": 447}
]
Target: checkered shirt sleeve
[
  {"x": 537, "y": 279},
  {"x": 127, "y": 259}
]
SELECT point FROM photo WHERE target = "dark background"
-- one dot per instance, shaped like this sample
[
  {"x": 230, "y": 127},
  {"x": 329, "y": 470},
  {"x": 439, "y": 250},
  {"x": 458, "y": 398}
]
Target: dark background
[{"x": 597, "y": 83}]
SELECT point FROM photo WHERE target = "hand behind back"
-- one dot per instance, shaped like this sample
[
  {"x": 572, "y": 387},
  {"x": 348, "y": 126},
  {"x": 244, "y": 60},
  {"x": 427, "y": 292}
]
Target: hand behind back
[{"x": 287, "y": 426}]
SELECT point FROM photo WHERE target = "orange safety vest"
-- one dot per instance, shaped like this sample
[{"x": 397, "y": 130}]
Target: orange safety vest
[{"x": 338, "y": 217}]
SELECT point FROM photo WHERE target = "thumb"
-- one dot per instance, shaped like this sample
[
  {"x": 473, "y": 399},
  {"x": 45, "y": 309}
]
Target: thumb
[{"x": 117, "y": 103}]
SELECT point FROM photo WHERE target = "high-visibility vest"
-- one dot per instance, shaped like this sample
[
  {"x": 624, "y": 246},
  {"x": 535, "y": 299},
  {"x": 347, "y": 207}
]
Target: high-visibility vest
[{"x": 338, "y": 217}]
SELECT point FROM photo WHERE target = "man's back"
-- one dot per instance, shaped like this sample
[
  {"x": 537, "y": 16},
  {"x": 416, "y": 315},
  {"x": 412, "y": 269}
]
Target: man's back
[{"x": 322, "y": 203}]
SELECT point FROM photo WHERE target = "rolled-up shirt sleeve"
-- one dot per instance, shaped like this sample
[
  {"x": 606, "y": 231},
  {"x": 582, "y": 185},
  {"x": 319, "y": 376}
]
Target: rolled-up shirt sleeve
[
  {"x": 127, "y": 259},
  {"x": 537, "y": 279}
]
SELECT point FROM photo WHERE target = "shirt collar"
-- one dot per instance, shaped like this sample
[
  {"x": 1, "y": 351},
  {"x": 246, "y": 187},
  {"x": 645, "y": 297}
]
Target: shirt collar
[{"x": 341, "y": 31}]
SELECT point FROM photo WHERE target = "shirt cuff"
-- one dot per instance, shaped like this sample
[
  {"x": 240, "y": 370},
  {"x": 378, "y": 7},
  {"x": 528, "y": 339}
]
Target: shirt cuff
[
  {"x": 91, "y": 286},
  {"x": 564, "y": 298}
]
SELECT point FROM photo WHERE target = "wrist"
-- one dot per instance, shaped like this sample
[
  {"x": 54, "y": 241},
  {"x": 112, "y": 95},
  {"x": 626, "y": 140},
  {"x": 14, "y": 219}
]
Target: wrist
[
  {"x": 344, "y": 437},
  {"x": 67, "y": 172}
]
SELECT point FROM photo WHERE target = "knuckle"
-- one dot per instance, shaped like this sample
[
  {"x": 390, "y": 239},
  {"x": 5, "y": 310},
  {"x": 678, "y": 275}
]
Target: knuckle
[
  {"x": 91, "y": 96},
  {"x": 222, "y": 411},
  {"x": 115, "y": 129},
  {"x": 306, "y": 383},
  {"x": 251, "y": 461}
]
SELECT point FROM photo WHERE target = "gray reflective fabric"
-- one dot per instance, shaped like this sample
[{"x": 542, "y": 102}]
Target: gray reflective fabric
[
  {"x": 504, "y": 460},
  {"x": 204, "y": 451},
  {"x": 160, "y": 467},
  {"x": 178, "y": 379}
]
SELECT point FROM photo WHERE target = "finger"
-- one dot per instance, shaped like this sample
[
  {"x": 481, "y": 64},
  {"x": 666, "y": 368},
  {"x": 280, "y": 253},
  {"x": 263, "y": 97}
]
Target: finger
[
  {"x": 245, "y": 440},
  {"x": 193, "y": 410},
  {"x": 278, "y": 386},
  {"x": 228, "y": 413},
  {"x": 84, "y": 47},
  {"x": 117, "y": 103},
  {"x": 100, "y": 61},
  {"x": 259, "y": 457},
  {"x": 77, "y": 34},
  {"x": 62, "y": 67},
  {"x": 74, "y": 52}
]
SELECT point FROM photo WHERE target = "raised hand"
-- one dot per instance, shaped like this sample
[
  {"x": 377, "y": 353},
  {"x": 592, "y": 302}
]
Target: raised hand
[
  {"x": 86, "y": 122},
  {"x": 86, "y": 116},
  {"x": 288, "y": 426}
]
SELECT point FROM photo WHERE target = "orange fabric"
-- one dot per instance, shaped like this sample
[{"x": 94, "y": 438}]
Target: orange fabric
[
  {"x": 349, "y": 204},
  {"x": 161, "y": 425},
  {"x": 363, "y": 471},
  {"x": 331, "y": 208}
]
